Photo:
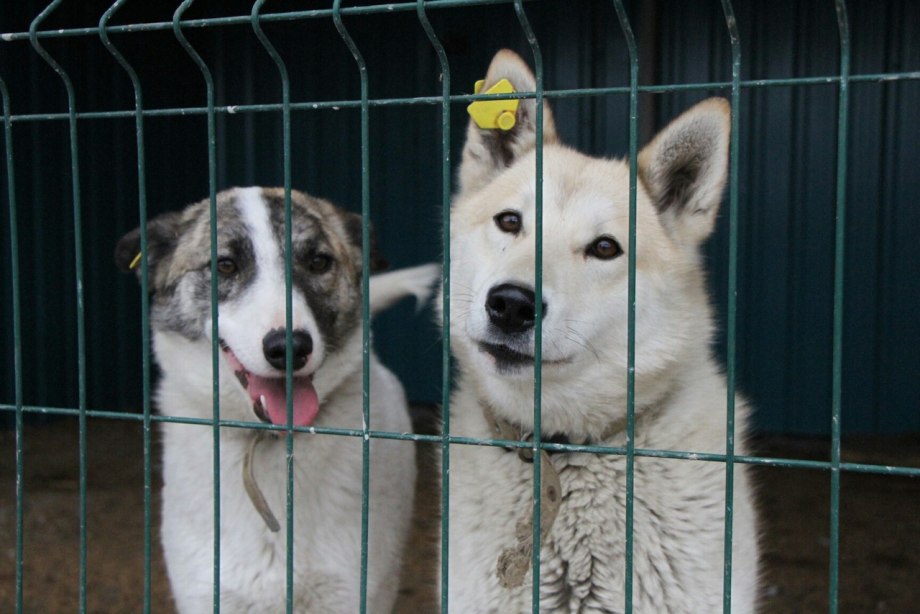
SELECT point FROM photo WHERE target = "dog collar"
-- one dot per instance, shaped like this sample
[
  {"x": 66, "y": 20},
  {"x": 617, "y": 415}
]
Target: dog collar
[
  {"x": 252, "y": 486},
  {"x": 515, "y": 560},
  {"x": 505, "y": 429}
]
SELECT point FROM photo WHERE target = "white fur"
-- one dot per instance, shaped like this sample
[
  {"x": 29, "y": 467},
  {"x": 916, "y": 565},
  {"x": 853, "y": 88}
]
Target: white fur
[
  {"x": 326, "y": 469},
  {"x": 680, "y": 392}
]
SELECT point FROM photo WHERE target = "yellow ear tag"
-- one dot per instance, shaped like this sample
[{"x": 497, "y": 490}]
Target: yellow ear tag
[
  {"x": 135, "y": 262},
  {"x": 492, "y": 114}
]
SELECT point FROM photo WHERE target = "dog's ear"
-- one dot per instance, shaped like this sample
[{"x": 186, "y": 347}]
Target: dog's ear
[
  {"x": 354, "y": 224},
  {"x": 489, "y": 150},
  {"x": 684, "y": 169},
  {"x": 162, "y": 236}
]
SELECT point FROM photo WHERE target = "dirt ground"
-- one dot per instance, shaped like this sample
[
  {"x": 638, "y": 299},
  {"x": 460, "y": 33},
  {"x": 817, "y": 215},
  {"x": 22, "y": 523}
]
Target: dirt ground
[{"x": 879, "y": 526}]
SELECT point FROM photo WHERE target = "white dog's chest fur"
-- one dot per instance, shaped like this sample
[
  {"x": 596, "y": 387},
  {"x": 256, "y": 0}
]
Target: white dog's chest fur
[{"x": 678, "y": 527}]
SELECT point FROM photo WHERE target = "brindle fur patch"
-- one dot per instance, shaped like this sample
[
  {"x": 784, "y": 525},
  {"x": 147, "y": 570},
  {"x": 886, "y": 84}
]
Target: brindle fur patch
[{"x": 318, "y": 228}]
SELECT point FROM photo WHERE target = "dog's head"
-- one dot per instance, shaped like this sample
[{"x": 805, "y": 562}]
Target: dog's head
[
  {"x": 585, "y": 246},
  {"x": 325, "y": 299}
]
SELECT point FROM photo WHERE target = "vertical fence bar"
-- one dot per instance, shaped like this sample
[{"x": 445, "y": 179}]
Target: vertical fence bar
[
  {"x": 839, "y": 234},
  {"x": 538, "y": 300},
  {"x": 78, "y": 276},
  {"x": 215, "y": 334},
  {"x": 365, "y": 288},
  {"x": 288, "y": 289},
  {"x": 445, "y": 289},
  {"x": 17, "y": 335},
  {"x": 145, "y": 302},
  {"x": 731, "y": 309},
  {"x": 631, "y": 299}
]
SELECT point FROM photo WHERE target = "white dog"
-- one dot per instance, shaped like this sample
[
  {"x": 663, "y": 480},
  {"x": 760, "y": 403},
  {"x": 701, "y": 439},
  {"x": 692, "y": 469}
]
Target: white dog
[
  {"x": 327, "y": 391},
  {"x": 680, "y": 392}
]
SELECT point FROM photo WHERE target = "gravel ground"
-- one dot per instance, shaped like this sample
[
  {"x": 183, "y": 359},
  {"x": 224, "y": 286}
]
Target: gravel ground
[{"x": 879, "y": 526}]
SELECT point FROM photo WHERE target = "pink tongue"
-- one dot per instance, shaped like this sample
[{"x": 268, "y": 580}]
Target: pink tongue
[{"x": 270, "y": 392}]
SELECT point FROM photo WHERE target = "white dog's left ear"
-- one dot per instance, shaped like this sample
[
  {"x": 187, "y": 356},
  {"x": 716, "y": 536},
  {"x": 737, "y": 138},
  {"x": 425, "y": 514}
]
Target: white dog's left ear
[
  {"x": 488, "y": 151},
  {"x": 684, "y": 169}
]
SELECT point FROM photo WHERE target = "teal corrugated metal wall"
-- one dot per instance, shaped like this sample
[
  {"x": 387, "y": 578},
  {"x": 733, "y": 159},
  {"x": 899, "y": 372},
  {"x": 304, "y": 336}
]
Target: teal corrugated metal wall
[
  {"x": 788, "y": 146},
  {"x": 787, "y": 175}
]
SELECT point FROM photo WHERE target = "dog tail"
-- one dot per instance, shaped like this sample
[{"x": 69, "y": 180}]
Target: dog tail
[{"x": 388, "y": 288}]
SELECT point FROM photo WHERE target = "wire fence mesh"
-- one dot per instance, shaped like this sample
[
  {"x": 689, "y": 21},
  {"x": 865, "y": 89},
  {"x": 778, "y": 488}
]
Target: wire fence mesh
[{"x": 38, "y": 35}]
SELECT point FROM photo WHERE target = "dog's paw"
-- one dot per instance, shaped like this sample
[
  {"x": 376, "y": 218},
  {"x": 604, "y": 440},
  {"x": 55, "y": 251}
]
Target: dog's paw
[{"x": 388, "y": 288}]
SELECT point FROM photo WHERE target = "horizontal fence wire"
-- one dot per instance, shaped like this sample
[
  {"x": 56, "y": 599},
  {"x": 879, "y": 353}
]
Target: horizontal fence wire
[
  {"x": 899, "y": 470},
  {"x": 337, "y": 105},
  {"x": 835, "y": 466},
  {"x": 246, "y": 20}
]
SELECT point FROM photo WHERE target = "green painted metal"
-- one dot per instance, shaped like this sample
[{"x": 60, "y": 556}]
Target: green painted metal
[
  {"x": 275, "y": 17},
  {"x": 78, "y": 275},
  {"x": 256, "y": 18},
  {"x": 17, "y": 337},
  {"x": 633, "y": 51},
  {"x": 676, "y": 82},
  {"x": 446, "y": 171},
  {"x": 436, "y": 100},
  {"x": 365, "y": 285},
  {"x": 536, "y": 442},
  {"x": 144, "y": 293},
  {"x": 215, "y": 335},
  {"x": 732, "y": 296},
  {"x": 763, "y": 461},
  {"x": 839, "y": 236}
]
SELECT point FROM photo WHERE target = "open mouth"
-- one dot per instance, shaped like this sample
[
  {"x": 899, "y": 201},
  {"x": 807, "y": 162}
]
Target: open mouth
[{"x": 268, "y": 394}]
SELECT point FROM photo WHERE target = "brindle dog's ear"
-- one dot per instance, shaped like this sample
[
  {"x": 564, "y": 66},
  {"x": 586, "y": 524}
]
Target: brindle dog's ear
[
  {"x": 353, "y": 226},
  {"x": 490, "y": 150},
  {"x": 162, "y": 236}
]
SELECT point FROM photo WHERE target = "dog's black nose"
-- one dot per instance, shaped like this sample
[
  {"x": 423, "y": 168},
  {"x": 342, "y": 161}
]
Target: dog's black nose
[
  {"x": 274, "y": 347},
  {"x": 512, "y": 308}
]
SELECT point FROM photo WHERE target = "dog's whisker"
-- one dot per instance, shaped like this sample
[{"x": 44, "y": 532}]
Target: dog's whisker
[{"x": 580, "y": 340}]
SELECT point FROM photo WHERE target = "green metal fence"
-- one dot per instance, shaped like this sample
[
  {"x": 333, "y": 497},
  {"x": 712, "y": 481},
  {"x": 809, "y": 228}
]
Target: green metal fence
[{"x": 182, "y": 27}]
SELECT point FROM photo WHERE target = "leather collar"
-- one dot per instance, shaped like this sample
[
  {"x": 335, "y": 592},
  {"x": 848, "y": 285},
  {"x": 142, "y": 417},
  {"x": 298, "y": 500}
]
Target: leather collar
[{"x": 505, "y": 429}]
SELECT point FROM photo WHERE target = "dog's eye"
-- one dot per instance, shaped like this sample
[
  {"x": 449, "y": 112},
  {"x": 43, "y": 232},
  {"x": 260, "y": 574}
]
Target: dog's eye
[
  {"x": 320, "y": 263},
  {"x": 604, "y": 248},
  {"x": 508, "y": 221},
  {"x": 226, "y": 266}
]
